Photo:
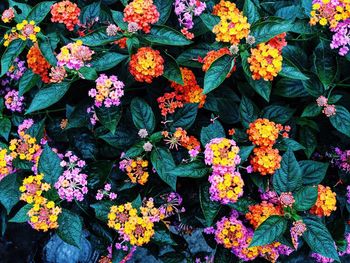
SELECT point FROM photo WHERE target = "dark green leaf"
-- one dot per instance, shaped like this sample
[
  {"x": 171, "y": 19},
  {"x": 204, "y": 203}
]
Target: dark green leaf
[
  {"x": 49, "y": 165},
  {"x": 90, "y": 12},
  {"x": 217, "y": 73},
  {"x": 102, "y": 209},
  {"x": 107, "y": 61},
  {"x": 308, "y": 140},
  {"x": 305, "y": 198},
  {"x": 142, "y": 115},
  {"x": 11, "y": 53},
  {"x": 242, "y": 205},
  {"x": 311, "y": 110},
  {"x": 163, "y": 163},
  {"x": 195, "y": 169},
  {"x": 313, "y": 172},
  {"x": 109, "y": 117},
  {"x": 98, "y": 173},
  {"x": 286, "y": 143},
  {"x": 70, "y": 228},
  {"x": 248, "y": 111},
  {"x": 341, "y": 120},
  {"x": 118, "y": 19},
  {"x": 214, "y": 130},
  {"x": 48, "y": 96},
  {"x": 164, "y": 8},
  {"x": 210, "y": 209},
  {"x": 172, "y": 71},
  {"x": 289, "y": 70},
  {"x": 250, "y": 10},
  {"x": 164, "y": 35},
  {"x": 9, "y": 192},
  {"x": 278, "y": 114},
  {"x": 271, "y": 229},
  {"x": 5, "y": 128},
  {"x": 24, "y": 10},
  {"x": 21, "y": 215},
  {"x": 88, "y": 73},
  {"x": 47, "y": 45},
  {"x": 136, "y": 150},
  {"x": 98, "y": 38},
  {"x": 27, "y": 82},
  {"x": 185, "y": 116},
  {"x": 120, "y": 139},
  {"x": 210, "y": 20},
  {"x": 244, "y": 152},
  {"x": 39, "y": 12}
]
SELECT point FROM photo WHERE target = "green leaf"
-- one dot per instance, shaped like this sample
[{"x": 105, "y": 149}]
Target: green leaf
[
  {"x": 11, "y": 53},
  {"x": 40, "y": 11},
  {"x": 305, "y": 198},
  {"x": 250, "y": 10},
  {"x": 185, "y": 116},
  {"x": 98, "y": 38},
  {"x": 267, "y": 28},
  {"x": 98, "y": 173},
  {"x": 210, "y": 20},
  {"x": 242, "y": 205},
  {"x": 172, "y": 257},
  {"x": 142, "y": 115},
  {"x": 163, "y": 163},
  {"x": 210, "y": 209},
  {"x": 319, "y": 239},
  {"x": 289, "y": 177},
  {"x": 172, "y": 71},
  {"x": 5, "y": 128},
  {"x": 278, "y": 114},
  {"x": 70, "y": 228},
  {"x": 271, "y": 229},
  {"x": 120, "y": 139},
  {"x": 162, "y": 236},
  {"x": 164, "y": 8},
  {"x": 244, "y": 152},
  {"x": 27, "y": 82},
  {"x": 195, "y": 169},
  {"x": 37, "y": 130},
  {"x": 289, "y": 70},
  {"x": 9, "y": 192},
  {"x": 287, "y": 143},
  {"x": 325, "y": 63},
  {"x": 21, "y": 216},
  {"x": 313, "y": 86},
  {"x": 88, "y": 73},
  {"x": 248, "y": 111},
  {"x": 24, "y": 8},
  {"x": 290, "y": 88},
  {"x": 136, "y": 150},
  {"x": 308, "y": 139},
  {"x": 313, "y": 172},
  {"x": 214, "y": 130},
  {"x": 90, "y": 12},
  {"x": 311, "y": 110},
  {"x": 47, "y": 45},
  {"x": 109, "y": 117},
  {"x": 107, "y": 61},
  {"x": 341, "y": 120},
  {"x": 102, "y": 209},
  {"x": 118, "y": 19},
  {"x": 48, "y": 96},
  {"x": 164, "y": 35},
  {"x": 137, "y": 202},
  {"x": 217, "y": 73},
  {"x": 49, "y": 165}
]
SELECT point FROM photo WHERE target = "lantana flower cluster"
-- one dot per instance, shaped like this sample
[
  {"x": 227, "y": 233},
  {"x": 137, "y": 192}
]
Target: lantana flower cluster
[
  {"x": 325, "y": 203},
  {"x": 44, "y": 213},
  {"x": 340, "y": 158},
  {"x": 266, "y": 59},
  {"x": 186, "y": 10},
  {"x": 213, "y": 55},
  {"x": 328, "y": 109},
  {"x": 108, "y": 91},
  {"x": 5, "y": 163},
  {"x": 24, "y": 30},
  {"x": 72, "y": 184},
  {"x": 264, "y": 133},
  {"x": 233, "y": 25},
  {"x": 38, "y": 64},
  {"x": 136, "y": 169},
  {"x": 65, "y": 12}
]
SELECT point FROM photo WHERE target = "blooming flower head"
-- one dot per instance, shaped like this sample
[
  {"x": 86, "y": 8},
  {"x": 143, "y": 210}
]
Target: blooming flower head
[
  {"x": 138, "y": 230},
  {"x": 13, "y": 101},
  {"x": 329, "y": 12},
  {"x": 226, "y": 188},
  {"x": 57, "y": 74},
  {"x": 65, "y": 12},
  {"x": 190, "y": 92},
  {"x": 278, "y": 41},
  {"x": 329, "y": 110},
  {"x": 321, "y": 259},
  {"x": 38, "y": 64},
  {"x": 146, "y": 64},
  {"x": 286, "y": 199},
  {"x": 72, "y": 184},
  {"x": 169, "y": 102},
  {"x": 186, "y": 10},
  {"x": 17, "y": 70},
  {"x": 147, "y": 147},
  {"x": 269, "y": 196},
  {"x": 106, "y": 192},
  {"x": 222, "y": 152},
  {"x": 260, "y": 212},
  {"x": 119, "y": 215},
  {"x": 143, "y": 133},
  {"x": 297, "y": 231},
  {"x": 24, "y": 126},
  {"x": 33, "y": 187},
  {"x": 326, "y": 202},
  {"x": 265, "y": 62},
  {"x": 5, "y": 164},
  {"x": 265, "y": 160},
  {"x": 8, "y": 15},
  {"x": 112, "y": 30},
  {"x": 191, "y": 143},
  {"x": 108, "y": 91},
  {"x": 322, "y": 101},
  {"x": 233, "y": 25},
  {"x": 74, "y": 55},
  {"x": 142, "y": 12},
  {"x": 136, "y": 169},
  {"x": 263, "y": 132},
  {"x": 172, "y": 205},
  {"x": 340, "y": 38},
  {"x": 44, "y": 214},
  {"x": 25, "y": 148},
  {"x": 149, "y": 210},
  {"x": 24, "y": 30}
]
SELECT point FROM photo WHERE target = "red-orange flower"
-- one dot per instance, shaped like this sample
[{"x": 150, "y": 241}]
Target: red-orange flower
[
  {"x": 265, "y": 160},
  {"x": 326, "y": 202},
  {"x": 263, "y": 132},
  {"x": 65, "y": 12},
  {"x": 260, "y": 212},
  {"x": 169, "y": 102},
  {"x": 142, "y": 12},
  {"x": 146, "y": 64},
  {"x": 38, "y": 64}
]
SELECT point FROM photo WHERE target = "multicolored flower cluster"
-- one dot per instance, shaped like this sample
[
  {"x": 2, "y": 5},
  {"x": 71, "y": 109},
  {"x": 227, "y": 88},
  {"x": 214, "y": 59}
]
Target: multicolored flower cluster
[
  {"x": 187, "y": 9},
  {"x": 297, "y": 231},
  {"x": 263, "y": 132},
  {"x": 108, "y": 91},
  {"x": 72, "y": 184},
  {"x": 38, "y": 64},
  {"x": 8, "y": 15},
  {"x": 65, "y": 12},
  {"x": 233, "y": 25},
  {"x": 329, "y": 12},
  {"x": 136, "y": 169},
  {"x": 44, "y": 213},
  {"x": 13, "y": 101},
  {"x": 340, "y": 158},
  {"x": 5, "y": 163},
  {"x": 25, "y": 148},
  {"x": 266, "y": 59},
  {"x": 142, "y": 12},
  {"x": 190, "y": 91},
  {"x": 169, "y": 102},
  {"x": 17, "y": 70},
  {"x": 146, "y": 64},
  {"x": 326, "y": 202},
  {"x": 328, "y": 109},
  {"x": 106, "y": 192},
  {"x": 260, "y": 212},
  {"x": 74, "y": 55},
  {"x": 265, "y": 160},
  {"x": 24, "y": 30}
]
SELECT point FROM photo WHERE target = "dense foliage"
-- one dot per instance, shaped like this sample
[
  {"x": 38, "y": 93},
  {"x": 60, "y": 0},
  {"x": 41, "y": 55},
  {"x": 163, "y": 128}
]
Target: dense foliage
[{"x": 141, "y": 122}]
